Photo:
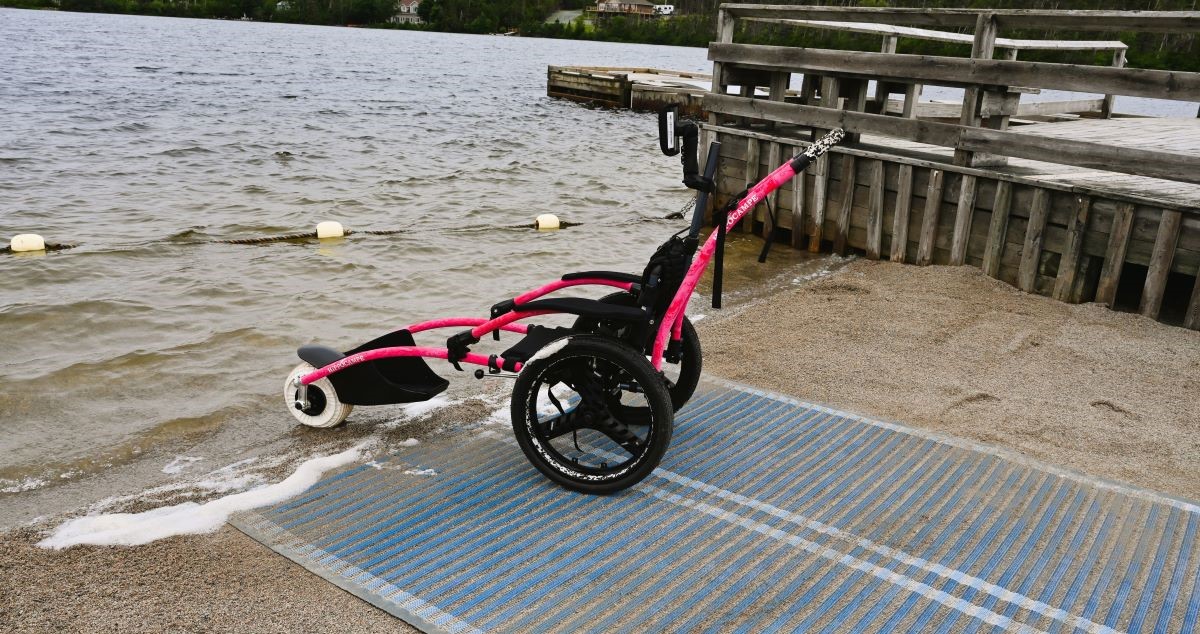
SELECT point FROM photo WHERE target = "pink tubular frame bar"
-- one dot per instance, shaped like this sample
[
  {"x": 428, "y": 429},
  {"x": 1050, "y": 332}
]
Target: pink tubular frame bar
[{"x": 670, "y": 327}]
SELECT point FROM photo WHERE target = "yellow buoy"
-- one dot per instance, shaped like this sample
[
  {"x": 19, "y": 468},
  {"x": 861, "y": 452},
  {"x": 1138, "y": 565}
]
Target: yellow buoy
[
  {"x": 330, "y": 229},
  {"x": 546, "y": 222},
  {"x": 27, "y": 242}
]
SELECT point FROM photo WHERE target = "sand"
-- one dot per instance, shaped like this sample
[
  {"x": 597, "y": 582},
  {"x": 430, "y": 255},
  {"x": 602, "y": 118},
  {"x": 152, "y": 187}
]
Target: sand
[{"x": 1110, "y": 394}]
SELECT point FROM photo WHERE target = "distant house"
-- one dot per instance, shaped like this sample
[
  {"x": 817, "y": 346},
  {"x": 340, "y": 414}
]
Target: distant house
[
  {"x": 625, "y": 7},
  {"x": 406, "y": 12},
  {"x": 664, "y": 9}
]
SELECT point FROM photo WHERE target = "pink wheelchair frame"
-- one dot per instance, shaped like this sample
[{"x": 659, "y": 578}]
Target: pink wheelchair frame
[{"x": 669, "y": 327}]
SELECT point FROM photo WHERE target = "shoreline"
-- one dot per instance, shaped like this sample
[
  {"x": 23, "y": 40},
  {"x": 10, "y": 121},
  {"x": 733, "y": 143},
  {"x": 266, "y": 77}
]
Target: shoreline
[{"x": 945, "y": 349}]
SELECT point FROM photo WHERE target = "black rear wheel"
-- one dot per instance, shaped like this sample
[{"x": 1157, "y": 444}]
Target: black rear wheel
[{"x": 593, "y": 416}]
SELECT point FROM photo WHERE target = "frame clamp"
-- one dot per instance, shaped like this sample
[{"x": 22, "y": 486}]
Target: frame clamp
[{"x": 457, "y": 347}]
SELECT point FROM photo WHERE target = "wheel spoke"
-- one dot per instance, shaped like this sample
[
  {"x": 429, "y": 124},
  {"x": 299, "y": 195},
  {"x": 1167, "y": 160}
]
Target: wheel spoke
[
  {"x": 560, "y": 425},
  {"x": 619, "y": 433}
]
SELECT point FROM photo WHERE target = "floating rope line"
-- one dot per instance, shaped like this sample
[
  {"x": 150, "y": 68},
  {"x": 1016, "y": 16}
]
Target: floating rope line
[
  {"x": 308, "y": 235},
  {"x": 49, "y": 247},
  {"x": 264, "y": 239}
]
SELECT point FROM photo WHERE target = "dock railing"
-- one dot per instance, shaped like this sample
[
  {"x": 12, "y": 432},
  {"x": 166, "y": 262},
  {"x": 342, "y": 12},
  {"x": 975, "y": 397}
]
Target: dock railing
[{"x": 1078, "y": 239}]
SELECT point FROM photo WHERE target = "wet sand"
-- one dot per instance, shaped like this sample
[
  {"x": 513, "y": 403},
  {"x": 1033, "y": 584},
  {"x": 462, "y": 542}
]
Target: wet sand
[{"x": 1110, "y": 394}]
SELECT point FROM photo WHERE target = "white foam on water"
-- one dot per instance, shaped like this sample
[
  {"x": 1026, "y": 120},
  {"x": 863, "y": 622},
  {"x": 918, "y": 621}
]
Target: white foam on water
[
  {"x": 176, "y": 466},
  {"x": 22, "y": 485},
  {"x": 411, "y": 442},
  {"x": 190, "y": 518}
]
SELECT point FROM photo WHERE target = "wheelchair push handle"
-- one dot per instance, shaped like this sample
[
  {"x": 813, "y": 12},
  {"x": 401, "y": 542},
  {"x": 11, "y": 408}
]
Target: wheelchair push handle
[
  {"x": 814, "y": 151},
  {"x": 680, "y": 136}
]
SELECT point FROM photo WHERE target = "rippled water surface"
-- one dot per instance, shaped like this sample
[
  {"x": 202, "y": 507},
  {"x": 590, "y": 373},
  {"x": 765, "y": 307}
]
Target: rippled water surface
[{"x": 144, "y": 140}]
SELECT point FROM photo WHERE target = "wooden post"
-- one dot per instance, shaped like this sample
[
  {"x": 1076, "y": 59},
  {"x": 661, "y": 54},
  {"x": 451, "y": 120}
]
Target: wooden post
[
  {"x": 773, "y": 159},
  {"x": 1192, "y": 318},
  {"x": 1068, "y": 265},
  {"x": 798, "y": 225},
  {"x": 983, "y": 47},
  {"x": 903, "y": 207},
  {"x": 929, "y": 222},
  {"x": 997, "y": 229},
  {"x": 725, "y": 24},
  {"x": 855, "y": 91},
  {"x": 778, "y": 91},
  {"x": 1160, "y": 262},
  {"x": 962, "y": 221},
  {"x": 912, "y": 95},
  {"x": 875, "y": 212},
  {"x": 843, "y": 219},
  {"x": 820, "y": 202},
  {"x": 889, "y": 44},
  {"x": 1106, "y": 110},
  {"x": 751, "y": 179},
  {"x": 1031, "y": 252},
  {"x": 1114, "y": 256}
]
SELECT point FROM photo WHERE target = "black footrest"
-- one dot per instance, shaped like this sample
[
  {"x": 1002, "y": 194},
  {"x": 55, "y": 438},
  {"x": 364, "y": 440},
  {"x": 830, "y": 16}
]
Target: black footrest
[{"x": 383, "y": 381}]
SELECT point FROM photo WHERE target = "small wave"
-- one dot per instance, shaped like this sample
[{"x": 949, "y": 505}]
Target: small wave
[
  {"x": 22, "y": 485},
  {"x": 185, "y": 151},
  {"x": 149, "y": 68},
  {"x": 190, "y": 518}
]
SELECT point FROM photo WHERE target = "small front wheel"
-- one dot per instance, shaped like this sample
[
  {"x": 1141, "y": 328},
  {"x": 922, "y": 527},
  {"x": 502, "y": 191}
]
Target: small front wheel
[
  {"x": 324, "y": 409},
  {"x": 571, "y": 414}
]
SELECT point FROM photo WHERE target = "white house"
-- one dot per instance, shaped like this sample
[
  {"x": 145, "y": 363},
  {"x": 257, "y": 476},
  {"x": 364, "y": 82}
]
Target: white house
[
  {"x": 664, "y": 9},
  {"x": 406, "y": 12}
]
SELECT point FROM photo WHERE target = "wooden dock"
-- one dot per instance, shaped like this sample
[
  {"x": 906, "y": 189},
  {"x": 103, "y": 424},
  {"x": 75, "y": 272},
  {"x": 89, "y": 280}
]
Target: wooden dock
[
  {"x": 1091, "y": 209},
  {"x": 635, "y": 88}
]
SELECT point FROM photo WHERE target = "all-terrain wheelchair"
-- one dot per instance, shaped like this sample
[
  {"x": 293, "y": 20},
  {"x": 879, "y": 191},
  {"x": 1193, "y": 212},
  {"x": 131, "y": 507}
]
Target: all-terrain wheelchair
[{"x": 593, "y": 404}]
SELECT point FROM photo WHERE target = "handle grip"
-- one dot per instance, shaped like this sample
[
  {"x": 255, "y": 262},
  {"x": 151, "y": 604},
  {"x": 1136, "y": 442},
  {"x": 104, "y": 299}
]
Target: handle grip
[{"x": 814, "y": 151}]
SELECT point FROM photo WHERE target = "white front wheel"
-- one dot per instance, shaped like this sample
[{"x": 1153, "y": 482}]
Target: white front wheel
[{"x": 324, "y": 409}]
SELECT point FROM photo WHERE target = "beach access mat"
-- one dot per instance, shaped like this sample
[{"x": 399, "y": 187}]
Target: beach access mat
[{"x": 768, "y": 514}]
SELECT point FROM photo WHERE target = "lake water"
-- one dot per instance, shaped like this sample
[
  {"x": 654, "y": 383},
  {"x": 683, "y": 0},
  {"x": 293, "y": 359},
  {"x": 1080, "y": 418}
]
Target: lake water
[
  {"x": 147, "y": 140},
  {"x": 144, "y": 140}
]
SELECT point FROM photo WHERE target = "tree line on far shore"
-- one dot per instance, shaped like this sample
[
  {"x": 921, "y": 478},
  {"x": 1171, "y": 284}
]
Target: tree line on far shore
[{"x": 694, "y": 24}]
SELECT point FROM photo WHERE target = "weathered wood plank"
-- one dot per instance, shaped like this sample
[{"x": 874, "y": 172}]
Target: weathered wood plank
[
  {"x": 982, "y": 47},
  {"x": 1114, "y": 257},
  {"x": 875, "y": 212},
  {"x": 1031, "y": 252},
  {"x": 1160, "y": 263},
  {"x": 962, "y": 221},
  {"x": 929, "y": 221},
  {"x": 798, "y": 186},
  {"x": 752, "y": 150},
  {"x": 843, "y": 219},
  {"x": 1099, "y": 156},
  {"x": 1097, "y": 21},
  {"x": 820, "y": 196},
  {"x": 997, "y": 228},
  {"x": 891, "y": 33},
  {"x": 1192, "y": 318},
  {"x": 1068, "y": 267},
  {"x": 773, "y": 160},
  {"x": 904, "y": 187},
  {"x": 950, "y": 71}
]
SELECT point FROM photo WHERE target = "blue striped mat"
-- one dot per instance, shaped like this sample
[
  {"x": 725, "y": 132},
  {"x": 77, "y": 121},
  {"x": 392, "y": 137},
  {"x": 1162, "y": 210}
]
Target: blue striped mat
[{"x": 767, "y": 515}]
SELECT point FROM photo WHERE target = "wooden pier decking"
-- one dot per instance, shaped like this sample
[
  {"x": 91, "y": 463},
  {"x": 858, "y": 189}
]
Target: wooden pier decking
[{"x": 1093, "y": 208}]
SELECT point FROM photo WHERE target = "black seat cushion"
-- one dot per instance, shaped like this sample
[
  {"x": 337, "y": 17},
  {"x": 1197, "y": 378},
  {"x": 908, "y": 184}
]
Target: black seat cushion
[
  {"x": 585, "y": 307},
  {"x": 604, "y": 275}
]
